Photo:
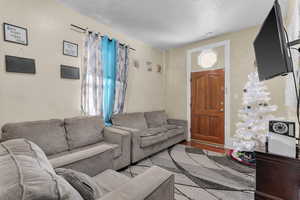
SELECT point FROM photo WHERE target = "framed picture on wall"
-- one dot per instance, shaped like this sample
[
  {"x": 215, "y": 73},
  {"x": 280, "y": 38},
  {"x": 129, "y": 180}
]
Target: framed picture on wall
[
  {"x": 70, "y": 49},
  {"x": 15, "y": 34}
]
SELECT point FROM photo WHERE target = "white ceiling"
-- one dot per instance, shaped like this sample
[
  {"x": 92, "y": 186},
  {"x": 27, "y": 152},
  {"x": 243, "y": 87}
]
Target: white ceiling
[{"x": 171, "y": 23}]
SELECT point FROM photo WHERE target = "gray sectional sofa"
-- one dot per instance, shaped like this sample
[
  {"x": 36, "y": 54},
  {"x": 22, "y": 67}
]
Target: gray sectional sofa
[
  {"x": 151, "y": 132},
  {"x": 80, "y": 143},
  {"x": 85, "y": 145},
  {"x": 26, "y": 174}
]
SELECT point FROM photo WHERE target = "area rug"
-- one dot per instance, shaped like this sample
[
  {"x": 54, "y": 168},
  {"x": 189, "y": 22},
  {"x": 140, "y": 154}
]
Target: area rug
[{"x": 201, "y": 174}]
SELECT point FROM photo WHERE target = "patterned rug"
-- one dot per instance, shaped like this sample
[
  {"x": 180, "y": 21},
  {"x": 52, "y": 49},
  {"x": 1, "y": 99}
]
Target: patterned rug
[{"x": 201, "y": 174}]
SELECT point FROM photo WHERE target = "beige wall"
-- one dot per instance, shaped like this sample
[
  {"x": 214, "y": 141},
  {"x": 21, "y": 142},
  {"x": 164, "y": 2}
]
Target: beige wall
[
  {"x": 241, "y": 64},
  {"x": 44, "y": 95},
  {"x": 220, "y": 59}
]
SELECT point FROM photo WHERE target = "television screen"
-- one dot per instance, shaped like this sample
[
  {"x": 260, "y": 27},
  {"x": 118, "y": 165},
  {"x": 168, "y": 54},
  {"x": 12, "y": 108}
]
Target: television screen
[{"x": 271, "y": 47}]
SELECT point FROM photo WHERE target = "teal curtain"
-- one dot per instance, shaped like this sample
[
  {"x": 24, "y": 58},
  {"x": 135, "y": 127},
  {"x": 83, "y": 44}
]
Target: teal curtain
[{"x": 109, "y": 54}]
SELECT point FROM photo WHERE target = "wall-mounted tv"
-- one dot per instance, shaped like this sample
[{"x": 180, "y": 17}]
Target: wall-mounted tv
[{"x": 271, "y": 47}]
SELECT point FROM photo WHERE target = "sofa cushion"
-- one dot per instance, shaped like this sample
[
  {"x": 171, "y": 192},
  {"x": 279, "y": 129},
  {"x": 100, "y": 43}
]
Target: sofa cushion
[
  {"x": 48, "y": 134},
  {"x": 156, "y": 118},
  {"x": 170, "y": 126},
  {"x": 174, "y": 132},
  {"x": 110, "y": 180},
  {"x": 153, "y": 131},
  {"x": 83, "y": 131},
  {"x": 131, "y": 120},
  {"x": 83, "y": 183},
  {"x": 154, "y": 139},
  {"x": 27, "y": 174},
  {"x": 68, "y": 157}
]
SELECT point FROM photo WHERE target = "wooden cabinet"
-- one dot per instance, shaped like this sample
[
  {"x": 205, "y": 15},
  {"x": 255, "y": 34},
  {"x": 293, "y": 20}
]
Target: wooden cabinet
[{"x": 277, "y": 177}]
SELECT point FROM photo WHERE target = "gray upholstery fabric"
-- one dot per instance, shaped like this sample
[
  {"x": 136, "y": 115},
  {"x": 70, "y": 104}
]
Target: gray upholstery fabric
[
  {"x": 138, "y": 152},
  {"x": 175, "y": 132},
  {"x": 179, "y": 123},
  {"x": 122, "y": 154},
  {"x": 27, "y": 174},
  {"x": 83, "y": 183},
  {"x": 91, "y": 159},
  {"x": 93, "y": 165},
  {"x": 156, "y": 118},
  {"x": 131, "y": 120},
  {"x": 110, "y": 180},
  {"x": 153, "y": 131},
  {"x": 164, "y": 191},
  {"x": 148, "y": 141},
  {"x": 75, "y": 155},
  {"x": 48, "y": 134},
  {"x": 171, "y": 126},
  {"x": 154, "y": 139},
  {"x": 154, "y": 184},
  {"x": 83, "y": 131}
]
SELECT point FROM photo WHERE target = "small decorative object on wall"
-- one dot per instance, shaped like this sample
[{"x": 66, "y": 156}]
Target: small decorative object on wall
[
  {"x": 19, "y": 65},
  {"x": 15, "y": 34},
  {"x": 70, "y": 49},
  {"x": 69, "y": 72},
  {"x": 136, "y": 64},
  {"x": 149, "y": 66},
  {"x": 159, "y": 68}
]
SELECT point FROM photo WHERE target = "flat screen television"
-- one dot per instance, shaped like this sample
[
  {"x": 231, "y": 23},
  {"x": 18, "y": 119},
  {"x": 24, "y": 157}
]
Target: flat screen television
[{"x": 271, "y": 47}]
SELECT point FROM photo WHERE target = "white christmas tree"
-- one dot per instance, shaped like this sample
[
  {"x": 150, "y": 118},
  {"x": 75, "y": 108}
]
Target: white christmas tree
[{"x": 255, "y": 115}]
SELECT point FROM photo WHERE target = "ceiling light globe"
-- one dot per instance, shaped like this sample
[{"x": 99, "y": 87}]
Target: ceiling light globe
[{"x": 207, "y": 58}]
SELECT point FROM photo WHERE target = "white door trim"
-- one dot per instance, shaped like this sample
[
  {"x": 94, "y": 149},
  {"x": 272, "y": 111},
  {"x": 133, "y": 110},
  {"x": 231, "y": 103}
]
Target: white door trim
[{"x": 226, "y": 44}]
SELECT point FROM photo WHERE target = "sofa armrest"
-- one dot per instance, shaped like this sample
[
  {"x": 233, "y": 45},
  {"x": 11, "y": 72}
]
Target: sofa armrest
[
  {"x": 114, "y": 135},
  {"x": 157, "y": 183},
  {"x": 178, "y": 122},
  {"x": 134, "y": 132},
  {"x": 126, "y": 128}
]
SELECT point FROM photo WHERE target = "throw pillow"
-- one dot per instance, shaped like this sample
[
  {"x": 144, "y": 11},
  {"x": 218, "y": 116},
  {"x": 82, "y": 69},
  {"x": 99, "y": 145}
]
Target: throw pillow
[{"x": 83, "y": 183}]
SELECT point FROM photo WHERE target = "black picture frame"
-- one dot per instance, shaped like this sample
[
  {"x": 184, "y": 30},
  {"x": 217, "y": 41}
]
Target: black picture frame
[
  {"x": 19, "y": 27},
  {"x": 72, "y": 43},
  {"x": 69, "y": 72}
]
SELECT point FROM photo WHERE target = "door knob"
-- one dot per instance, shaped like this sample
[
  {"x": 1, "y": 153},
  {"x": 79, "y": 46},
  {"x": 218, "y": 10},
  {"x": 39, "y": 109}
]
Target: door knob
[{"x": 221, "y": 109}]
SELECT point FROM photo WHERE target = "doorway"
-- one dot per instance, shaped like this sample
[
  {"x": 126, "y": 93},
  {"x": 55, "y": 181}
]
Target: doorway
[
  {"x": 207, "y": 107},
  {"x": 208, "y": 98}
]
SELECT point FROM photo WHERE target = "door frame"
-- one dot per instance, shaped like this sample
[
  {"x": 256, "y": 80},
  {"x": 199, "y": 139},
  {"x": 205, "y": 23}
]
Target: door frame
[{"x": 228, "y": 139}]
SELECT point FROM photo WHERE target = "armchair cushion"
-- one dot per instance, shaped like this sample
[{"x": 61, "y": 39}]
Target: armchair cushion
[
  {"x": 83, "y": 131},
  {"x": 48, "y": 134},
  {"x": 156, "y": 118},
  {"x": 83, "y": 183},
  {"x": 131, "y": 120}
]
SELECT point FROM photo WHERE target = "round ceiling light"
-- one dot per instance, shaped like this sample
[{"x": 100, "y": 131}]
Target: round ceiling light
[{"x": 207, "y": 58}]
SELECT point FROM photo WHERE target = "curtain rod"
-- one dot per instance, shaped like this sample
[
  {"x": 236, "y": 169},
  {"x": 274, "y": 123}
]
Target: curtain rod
[{"x": 86, "y": 30}]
